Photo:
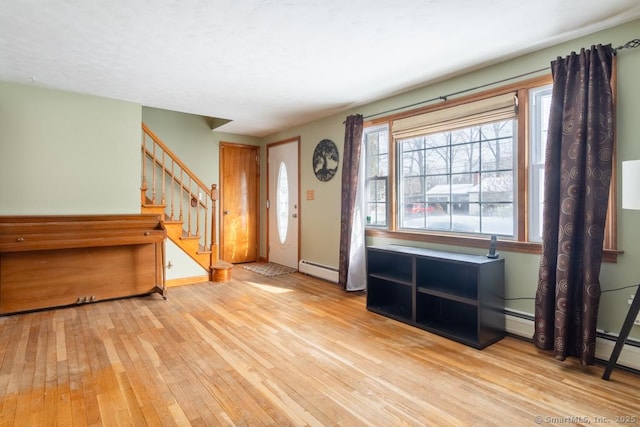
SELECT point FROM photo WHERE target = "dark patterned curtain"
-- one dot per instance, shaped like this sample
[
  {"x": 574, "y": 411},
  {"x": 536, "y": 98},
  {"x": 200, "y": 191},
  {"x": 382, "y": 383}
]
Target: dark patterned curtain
[
  {"x": 578, "y": 167},
  {"x": 350, "y": 163}
]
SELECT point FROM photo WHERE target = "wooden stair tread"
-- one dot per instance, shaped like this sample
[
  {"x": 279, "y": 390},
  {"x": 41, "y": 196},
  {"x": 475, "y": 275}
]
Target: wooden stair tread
[{"x": 194, "y": 237}]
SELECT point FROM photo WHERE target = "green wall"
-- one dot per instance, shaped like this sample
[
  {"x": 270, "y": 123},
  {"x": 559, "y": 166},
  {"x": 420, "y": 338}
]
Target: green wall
[
  {"x": 320, "y": 217},
  {"x": 321, "y": 220},
  {"x": 192, "y": 140},
  {"x": 66, "y": 153}
]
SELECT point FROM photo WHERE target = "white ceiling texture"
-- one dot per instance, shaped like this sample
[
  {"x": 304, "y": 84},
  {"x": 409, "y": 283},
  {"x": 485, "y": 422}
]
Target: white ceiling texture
[{"x": 267, "y": 65}]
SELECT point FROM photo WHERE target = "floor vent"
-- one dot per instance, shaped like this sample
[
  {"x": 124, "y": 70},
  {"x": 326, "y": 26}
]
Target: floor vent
[{"x": 318, "y": 270}]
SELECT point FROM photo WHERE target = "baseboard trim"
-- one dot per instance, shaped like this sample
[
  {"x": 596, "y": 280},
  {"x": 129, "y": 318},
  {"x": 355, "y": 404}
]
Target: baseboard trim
[
  {"x": 522, "y": 325},
  {"x": 186, "y": 281}
]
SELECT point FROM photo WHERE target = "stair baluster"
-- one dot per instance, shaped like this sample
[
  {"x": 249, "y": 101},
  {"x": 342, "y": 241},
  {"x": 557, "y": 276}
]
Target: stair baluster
[
  {"x": 153, "y": 177},
  {"x": 188, "y": 188},
  {"x": 173, "y": 180},
  {"x": 163, "y": 200}
]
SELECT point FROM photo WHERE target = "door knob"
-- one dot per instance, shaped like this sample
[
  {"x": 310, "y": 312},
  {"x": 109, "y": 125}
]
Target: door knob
[
  {"x": 295, "y": 215},
  {"x": 227, "y": 212}
]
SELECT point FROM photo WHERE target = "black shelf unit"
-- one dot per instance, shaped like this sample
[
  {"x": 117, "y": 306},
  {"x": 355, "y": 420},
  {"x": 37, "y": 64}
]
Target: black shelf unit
[{"x": 458, "y": 296}]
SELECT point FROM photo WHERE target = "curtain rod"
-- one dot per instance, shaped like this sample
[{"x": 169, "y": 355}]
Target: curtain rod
[
  {"x": 628, "y": 45},
  {"x": 631, "y": 44}
]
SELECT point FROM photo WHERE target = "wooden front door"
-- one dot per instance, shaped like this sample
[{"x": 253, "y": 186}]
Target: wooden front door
[
  {"x": 283, "y": 212},
  {"x": 239, "y": 184}
]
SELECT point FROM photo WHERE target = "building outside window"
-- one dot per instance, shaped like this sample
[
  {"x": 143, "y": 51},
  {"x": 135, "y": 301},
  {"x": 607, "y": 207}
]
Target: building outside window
[{"x": 460, "y": 180}]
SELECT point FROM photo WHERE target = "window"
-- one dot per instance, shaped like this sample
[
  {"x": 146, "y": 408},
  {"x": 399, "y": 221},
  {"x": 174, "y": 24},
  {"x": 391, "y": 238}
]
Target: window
[
  {"x": 456, "y": 167},
  {"x": 460, "y": 180},
  {"x": 282, "y": 203},
  {"x": 376, "y": 145},
  {"x": 458, "y": 173},
  {"x": 539, "y": 107}
]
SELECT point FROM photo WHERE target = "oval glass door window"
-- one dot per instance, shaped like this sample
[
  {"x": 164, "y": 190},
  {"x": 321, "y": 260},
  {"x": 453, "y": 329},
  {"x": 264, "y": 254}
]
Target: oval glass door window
[{"x": 282, "y": 202}]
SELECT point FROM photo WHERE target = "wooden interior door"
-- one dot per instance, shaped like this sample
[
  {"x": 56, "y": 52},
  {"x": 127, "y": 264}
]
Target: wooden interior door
[{"x": 239, "y": 191}]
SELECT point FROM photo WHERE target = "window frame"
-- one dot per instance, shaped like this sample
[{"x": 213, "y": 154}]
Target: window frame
[
  {"x": 536, "y": 164},
  {"x": 522, "y": 203},
  {"x": 447, "y": 146},
  {"x": 377, "y": 178}
]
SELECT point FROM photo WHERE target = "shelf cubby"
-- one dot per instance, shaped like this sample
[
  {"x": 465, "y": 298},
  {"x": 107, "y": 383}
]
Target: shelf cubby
[
  {"x": 459, "y": 296},
  {"x": 394, "y": 268},
  {"x": 390, "y": 297}
]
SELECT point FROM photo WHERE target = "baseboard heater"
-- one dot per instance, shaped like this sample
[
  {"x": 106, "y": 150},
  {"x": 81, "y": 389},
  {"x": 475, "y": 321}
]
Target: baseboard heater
[
  {"x": 318, "y": 270},
  {"x": 521, "y": 324}
]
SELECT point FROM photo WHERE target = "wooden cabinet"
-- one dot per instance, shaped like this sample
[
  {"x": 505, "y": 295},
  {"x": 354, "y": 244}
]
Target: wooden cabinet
[
  {"x": 455, "y": 295},
  {"x": 65, "y": 260}
]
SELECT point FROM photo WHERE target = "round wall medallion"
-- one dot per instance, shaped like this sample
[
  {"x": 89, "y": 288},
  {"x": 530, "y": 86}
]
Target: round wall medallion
[{"x": 325, "y": 160}]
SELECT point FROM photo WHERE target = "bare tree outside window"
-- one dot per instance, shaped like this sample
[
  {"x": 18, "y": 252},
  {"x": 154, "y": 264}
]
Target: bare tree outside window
[{"x": 460, "y": 180}]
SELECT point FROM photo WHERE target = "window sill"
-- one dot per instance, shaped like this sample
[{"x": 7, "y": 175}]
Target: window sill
[{"x": 609, "y": 255}]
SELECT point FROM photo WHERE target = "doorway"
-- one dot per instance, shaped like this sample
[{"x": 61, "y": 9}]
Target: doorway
[
  {"x": 283, "y": 211},
  {"x": 239, "y": 212}
]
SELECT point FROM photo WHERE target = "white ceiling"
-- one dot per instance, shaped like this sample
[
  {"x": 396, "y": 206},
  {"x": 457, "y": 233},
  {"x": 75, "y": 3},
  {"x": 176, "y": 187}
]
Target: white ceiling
[{"x": 268, "y": 65}]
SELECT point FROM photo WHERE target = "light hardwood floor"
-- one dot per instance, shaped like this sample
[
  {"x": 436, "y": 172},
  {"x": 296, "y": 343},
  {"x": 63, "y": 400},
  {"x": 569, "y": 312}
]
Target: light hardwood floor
[{"x": 289, "y": 350}]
